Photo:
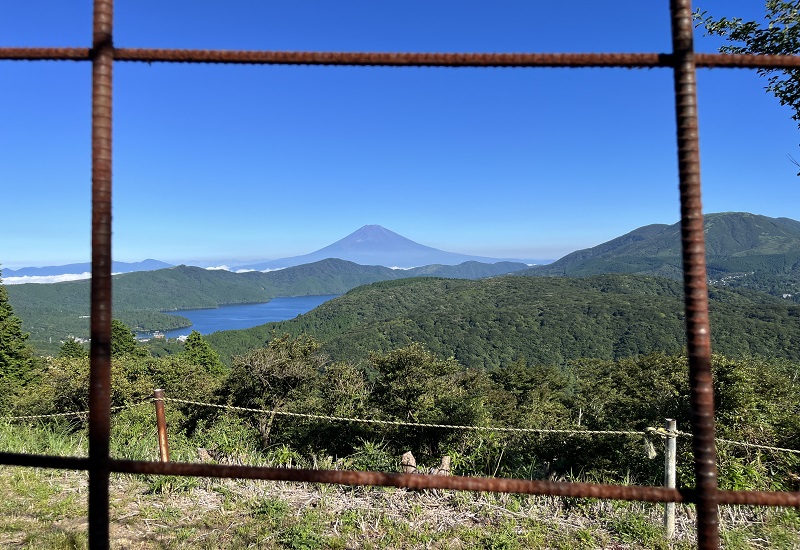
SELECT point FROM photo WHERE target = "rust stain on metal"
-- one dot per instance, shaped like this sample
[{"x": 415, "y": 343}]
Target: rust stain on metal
[
  {"x": 694, "y": 276},
  {"x": 745, "y": 61},
  {"x": 45, "y": 54},
  {"x": 412, "y": 481},
  {"x": 44, "y": 461},
  {"x": 399, "y": 59},
  {"x": 102, "y": 55},
  {"x": 759, "y": 498}
]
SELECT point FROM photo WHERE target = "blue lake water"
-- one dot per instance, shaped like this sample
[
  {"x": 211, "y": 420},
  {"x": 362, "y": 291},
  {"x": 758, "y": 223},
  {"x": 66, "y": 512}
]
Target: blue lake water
[{"x": 206, "y": 321}]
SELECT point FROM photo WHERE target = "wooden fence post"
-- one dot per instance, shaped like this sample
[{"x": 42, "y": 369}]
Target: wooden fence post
[
  {"x": 161, "y": 421},
  {"x": 670, "y": 452}
]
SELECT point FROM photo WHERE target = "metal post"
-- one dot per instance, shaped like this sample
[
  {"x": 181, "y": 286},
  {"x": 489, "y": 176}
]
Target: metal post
[
  {"x": 695, "y": 281},
  {"x": 161, "y": 421},
  {"x": 102, "y": 55},
  {"x": 670, "y": 452}
]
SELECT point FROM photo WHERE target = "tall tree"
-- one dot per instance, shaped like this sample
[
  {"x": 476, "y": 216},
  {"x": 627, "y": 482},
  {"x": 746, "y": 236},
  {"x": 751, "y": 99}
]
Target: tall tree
[
  {"x": 123, "y": 341},
  {"x": 778, "y": 34},
  {"x": 71, "y": 348},
  {"x": 16, "y": 356},
  {"x": 199, "y": 352}
]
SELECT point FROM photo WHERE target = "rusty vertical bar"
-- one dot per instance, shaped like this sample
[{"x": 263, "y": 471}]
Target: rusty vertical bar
[
  {"x": 100, "y": 378},
  {"x": 161, "y": 423},
  {"x": 694, "y": 276}
]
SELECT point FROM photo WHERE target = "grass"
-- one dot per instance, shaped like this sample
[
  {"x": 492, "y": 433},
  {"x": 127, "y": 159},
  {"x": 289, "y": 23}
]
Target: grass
[{"x": 46, "y": 509}]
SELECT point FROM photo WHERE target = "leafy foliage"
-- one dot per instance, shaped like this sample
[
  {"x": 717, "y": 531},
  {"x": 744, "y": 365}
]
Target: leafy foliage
[
  {"x": 71, "y": 348},
  {"x": 756, "y": 402},
  {"x": 16, "y": 356},
  {"x": 123, "y": 341},
  {"x": 272, "y": 377},
  {"x": 491, "y": 323},
  {"x": 197, "y": 350},
  {"x": 779, "y": 36}
]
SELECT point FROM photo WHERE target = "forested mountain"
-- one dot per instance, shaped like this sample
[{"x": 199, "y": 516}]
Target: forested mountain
[
  {"x": 493, "y": 322},
  {"x": 61, "y": 309},
  {"x": 742, "y": 250},
  {"x": 116, "y": 267}
]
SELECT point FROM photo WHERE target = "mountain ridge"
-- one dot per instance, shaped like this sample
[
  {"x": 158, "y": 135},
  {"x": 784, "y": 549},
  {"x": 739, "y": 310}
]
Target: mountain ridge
[
  {"x": 376, "y": 245},
  {"x": 84, "y": 267},
  {"x": 751, "y": 239},
  {"x": 368, "y": 245}
]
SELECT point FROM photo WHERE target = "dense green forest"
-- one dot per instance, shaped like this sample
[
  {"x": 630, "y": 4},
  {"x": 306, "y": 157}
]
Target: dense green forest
[
  {"x": 742, "y": 250},
  {"x": 53, "y": 312},
  {"x": 755, "y": 398},
  {"x": 493, "y": 322}
]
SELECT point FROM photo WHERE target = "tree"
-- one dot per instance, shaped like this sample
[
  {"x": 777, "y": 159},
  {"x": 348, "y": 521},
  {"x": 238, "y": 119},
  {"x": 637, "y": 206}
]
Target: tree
[
  {"x": 16, "y": 356},
  {"x": 71, "y": 348},
  {"x": 199, "y": 352},
  {"x": 283, "y": 375},
  {"x": 778, "y": 35},
  {"x": 410, "y": 382},
  {"x": 123, "y": 341}
]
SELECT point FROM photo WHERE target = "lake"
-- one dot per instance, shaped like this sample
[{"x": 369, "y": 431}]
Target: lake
[{"x": 206, "y": 321}]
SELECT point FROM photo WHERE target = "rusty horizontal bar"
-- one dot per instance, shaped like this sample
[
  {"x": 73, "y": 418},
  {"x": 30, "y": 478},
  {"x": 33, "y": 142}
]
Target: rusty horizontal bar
[
  {"x": 411, "y": 481},
  {"x": 745, "y": 61},
  {"x": 597, "y": 60},
  {"x": 759, "y": 498},
  {"x": 44, "y": 461},
  {"x": 45, "y": 54},
  {"x": 414, "y": 481},
  {"x": 398, "y": 59}
]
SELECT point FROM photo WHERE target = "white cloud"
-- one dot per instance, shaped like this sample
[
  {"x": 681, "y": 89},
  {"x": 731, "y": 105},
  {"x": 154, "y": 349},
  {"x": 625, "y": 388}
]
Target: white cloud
[
  {"x": 45, "y": 279},
  {"x": 218, "y": 268},
  {"x": 262, "y": 271}
]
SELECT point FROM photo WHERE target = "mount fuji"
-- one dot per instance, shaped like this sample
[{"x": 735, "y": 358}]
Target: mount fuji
[{"x": 376, "y": 245}]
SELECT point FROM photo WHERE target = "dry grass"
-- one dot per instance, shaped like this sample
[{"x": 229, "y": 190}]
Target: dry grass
[{"x": 46, "y": 509}]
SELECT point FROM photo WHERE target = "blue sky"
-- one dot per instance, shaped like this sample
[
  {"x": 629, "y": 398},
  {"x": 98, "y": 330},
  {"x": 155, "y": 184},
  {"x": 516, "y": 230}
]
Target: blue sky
[{"x": 260, "y": 162}]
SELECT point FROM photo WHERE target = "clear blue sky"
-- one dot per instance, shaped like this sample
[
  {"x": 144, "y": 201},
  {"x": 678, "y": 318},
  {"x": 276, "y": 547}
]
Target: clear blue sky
[{"x": 249, "y": 162}]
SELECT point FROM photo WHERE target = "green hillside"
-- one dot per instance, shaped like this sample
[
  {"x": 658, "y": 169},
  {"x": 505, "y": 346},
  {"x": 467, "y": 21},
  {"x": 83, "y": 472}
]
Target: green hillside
[
  {"x": 54, "y": 311},
  {"x": 742, "y": 250},
  {"x": 492, "y": 322}
]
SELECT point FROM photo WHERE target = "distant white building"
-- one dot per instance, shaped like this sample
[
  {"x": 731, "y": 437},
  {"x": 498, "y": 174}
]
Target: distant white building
[{"x": 182, "y": 338}]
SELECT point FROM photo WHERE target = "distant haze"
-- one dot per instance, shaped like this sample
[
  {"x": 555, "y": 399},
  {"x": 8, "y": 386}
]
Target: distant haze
[
  {"x": 376, "y": 245},
  {"x": 369, "y": 245}
]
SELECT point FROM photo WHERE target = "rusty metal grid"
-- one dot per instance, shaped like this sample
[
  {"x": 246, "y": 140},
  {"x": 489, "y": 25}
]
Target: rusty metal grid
[{"x": 683, "y": 62}]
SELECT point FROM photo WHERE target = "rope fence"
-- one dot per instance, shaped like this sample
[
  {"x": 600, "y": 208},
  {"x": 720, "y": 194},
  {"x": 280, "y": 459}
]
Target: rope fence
[
  {"x": 646, "y": 432},
  {"x": 74, "y": 413}
]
